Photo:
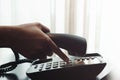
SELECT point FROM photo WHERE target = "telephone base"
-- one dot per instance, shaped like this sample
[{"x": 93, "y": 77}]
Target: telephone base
[{"x": 80, "y": 68}]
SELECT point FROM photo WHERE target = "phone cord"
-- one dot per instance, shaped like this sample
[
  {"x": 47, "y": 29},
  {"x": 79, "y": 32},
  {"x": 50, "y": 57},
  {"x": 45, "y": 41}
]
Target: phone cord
[{"x": 12, "y": 65}]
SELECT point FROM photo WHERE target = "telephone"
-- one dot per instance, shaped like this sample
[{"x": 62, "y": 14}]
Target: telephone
[{"x": 81, "y": 65}]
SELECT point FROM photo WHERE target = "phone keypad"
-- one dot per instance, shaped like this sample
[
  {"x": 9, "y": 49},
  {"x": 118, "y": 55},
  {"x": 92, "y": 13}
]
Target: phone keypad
[
  {"x": 40, "y": 67},
  {"x": 55, "y": 64},
  {"x": 48, "y": 65},
  {"x": 62, "y": 64}
]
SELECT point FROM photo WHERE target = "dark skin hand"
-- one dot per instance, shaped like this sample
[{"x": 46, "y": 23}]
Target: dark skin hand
[{"x": 30, "y": 40}]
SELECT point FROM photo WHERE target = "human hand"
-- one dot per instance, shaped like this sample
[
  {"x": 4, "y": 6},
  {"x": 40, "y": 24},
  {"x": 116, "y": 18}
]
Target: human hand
[{"x": 31, "y": 41}]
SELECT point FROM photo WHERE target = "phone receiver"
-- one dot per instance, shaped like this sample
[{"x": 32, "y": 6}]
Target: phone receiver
[{"x": 75, "y": 45}]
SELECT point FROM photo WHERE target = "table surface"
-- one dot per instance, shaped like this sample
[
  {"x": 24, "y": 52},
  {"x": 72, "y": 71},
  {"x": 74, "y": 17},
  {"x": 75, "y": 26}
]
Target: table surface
[{"x": 20, "y": 72}]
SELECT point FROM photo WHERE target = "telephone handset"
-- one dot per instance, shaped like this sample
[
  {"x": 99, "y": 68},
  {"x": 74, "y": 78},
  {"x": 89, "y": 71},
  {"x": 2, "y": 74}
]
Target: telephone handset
[
  {"x": 81, "y": 64},
  {"x": 75, "y": 45}
]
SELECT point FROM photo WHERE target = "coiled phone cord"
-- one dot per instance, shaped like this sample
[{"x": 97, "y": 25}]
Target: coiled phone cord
[{"x": 12, "y": 65}]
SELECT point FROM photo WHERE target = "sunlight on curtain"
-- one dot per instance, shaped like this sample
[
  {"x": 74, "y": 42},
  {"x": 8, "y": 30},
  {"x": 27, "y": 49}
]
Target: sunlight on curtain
[
  {"x": 25, "y": 11},
  {"x": 5, "y": 12},
  {"x": 109, "y": 35}
]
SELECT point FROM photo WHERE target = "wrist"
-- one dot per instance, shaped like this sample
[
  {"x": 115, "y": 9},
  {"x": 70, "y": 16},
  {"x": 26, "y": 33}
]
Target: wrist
[{"x": 7, "y": 35}]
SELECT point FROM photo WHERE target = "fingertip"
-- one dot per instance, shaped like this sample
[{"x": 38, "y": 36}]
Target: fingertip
[{"x": 66, "y": 60}]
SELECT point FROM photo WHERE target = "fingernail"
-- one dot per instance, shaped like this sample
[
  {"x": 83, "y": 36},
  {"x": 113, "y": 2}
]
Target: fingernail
[{"x": 66, "y": 60}]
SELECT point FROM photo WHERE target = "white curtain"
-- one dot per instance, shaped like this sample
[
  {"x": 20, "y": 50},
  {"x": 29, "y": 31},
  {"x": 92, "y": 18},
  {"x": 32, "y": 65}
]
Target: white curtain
[{"x": 96, "y": 20}]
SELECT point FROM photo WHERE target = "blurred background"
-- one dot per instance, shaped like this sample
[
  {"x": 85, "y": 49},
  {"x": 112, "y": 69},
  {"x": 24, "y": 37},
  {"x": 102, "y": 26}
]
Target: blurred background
[{"x": 96, "y": 20}]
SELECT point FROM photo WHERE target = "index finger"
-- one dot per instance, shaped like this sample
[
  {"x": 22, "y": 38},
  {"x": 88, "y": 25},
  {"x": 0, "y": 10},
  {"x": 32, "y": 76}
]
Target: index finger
[{"x": 57, "y": 50}]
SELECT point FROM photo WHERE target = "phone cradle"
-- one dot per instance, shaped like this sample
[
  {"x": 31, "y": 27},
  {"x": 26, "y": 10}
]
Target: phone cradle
[{"x": 79, "y": 68}]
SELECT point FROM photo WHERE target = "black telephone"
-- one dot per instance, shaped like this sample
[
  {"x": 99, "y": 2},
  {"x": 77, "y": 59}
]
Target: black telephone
[{"x": 81, "y": 65}]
